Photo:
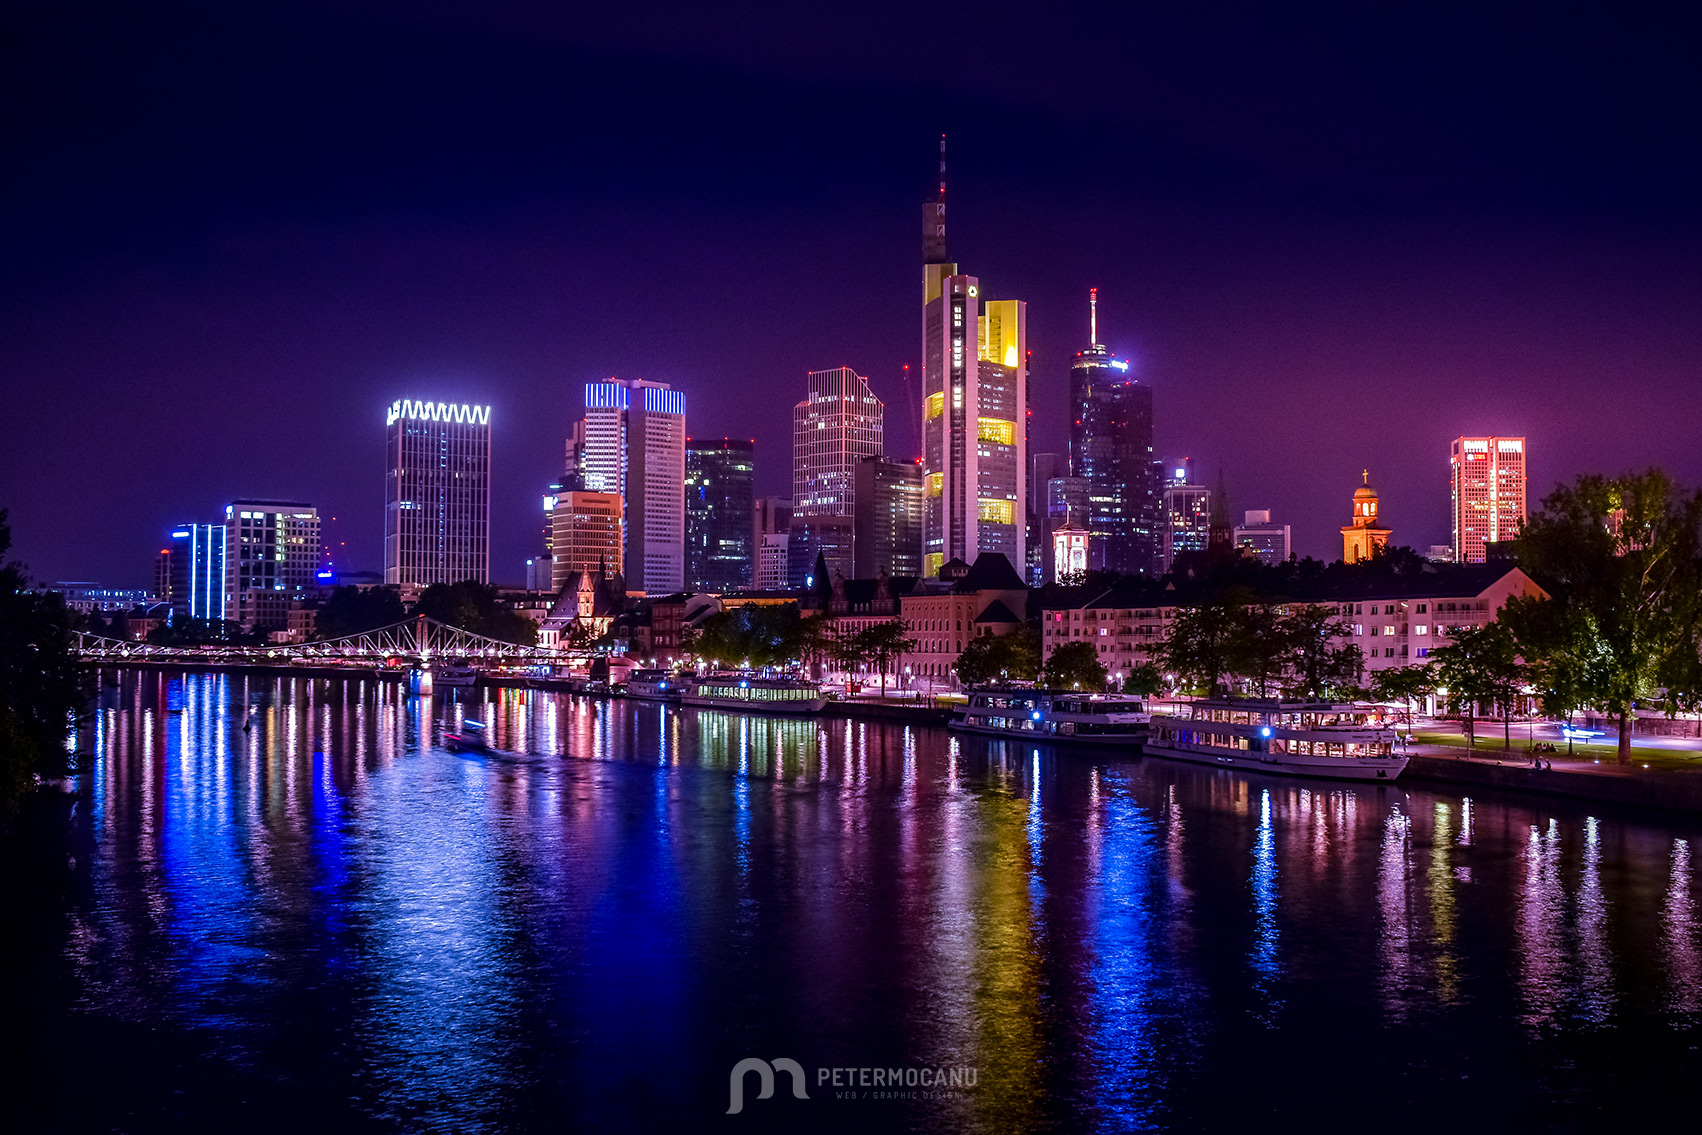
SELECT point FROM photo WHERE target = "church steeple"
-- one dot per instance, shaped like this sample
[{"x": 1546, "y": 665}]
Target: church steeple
[{"x": 1365, "y": 532}]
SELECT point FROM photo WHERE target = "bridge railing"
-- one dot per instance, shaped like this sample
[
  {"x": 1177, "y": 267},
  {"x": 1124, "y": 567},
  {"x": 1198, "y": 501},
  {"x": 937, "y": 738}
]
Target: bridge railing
[{"x": 417, "y": 641}]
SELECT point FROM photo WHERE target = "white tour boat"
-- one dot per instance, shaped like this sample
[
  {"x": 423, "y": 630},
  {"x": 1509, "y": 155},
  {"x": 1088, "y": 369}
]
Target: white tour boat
[
  {"x": 653, "y": 685},
  {"x": 741, "y": 693},
  {"x": 447, "y": 673},
  {"x": 1298, "y": 738},
  {"x": 1114, "y": 720}
]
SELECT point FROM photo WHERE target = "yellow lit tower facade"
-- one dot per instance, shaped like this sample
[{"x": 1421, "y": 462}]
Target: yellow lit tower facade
[
  {"x": 1488, "y": 483},
  {"x": 974, "y": 408},
  {"x": 1362, "y": 536}
]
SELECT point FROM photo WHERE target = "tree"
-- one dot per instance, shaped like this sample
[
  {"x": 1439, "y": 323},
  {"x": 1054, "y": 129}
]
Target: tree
[
  {"x": 760, "y": 636},
  {"x": 1620, "y": 556},
  {"x": 42, "y": 684},
  {"x": 1404, "y": 684},
  {"x": 1317, "y": 666},
  {"x": 1202, "y": 645},
  {"x": 1075, "y": 666},
  {"x": 1256, "y": 645},
  {"x": 1481, "y": 665},
  {"x": 1145, "y": 680},
  {"x": 351, "y": 610},
  {"x": 1009, "y": 657},
  {"x": 474, "y": 606},
  {"x": 882, "y": 644}
]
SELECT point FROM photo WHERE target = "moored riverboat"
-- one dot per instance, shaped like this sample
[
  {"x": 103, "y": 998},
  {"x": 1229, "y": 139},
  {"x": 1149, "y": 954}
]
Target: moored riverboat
[
  {"x": 653, "y": 685},
  {"x": 743, "y": 693},
  {"x": 1327, "y": 739},
  {"x": 451, "y": 673},
  {"x": 1108, "y": 720}
]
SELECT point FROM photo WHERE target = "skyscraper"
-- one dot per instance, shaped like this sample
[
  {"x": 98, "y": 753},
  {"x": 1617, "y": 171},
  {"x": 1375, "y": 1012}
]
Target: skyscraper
[
  {"x": 886, "y": 531},
  {"x": 771, "y": 542},
  {"x": 198, "y": 572},
  {"x": 1111, "y": 448},
  {"x": 720, "y": 494},
  {"x": 837, "y": 424},
  {"x": 974, "y": 409},
  {"x": 271, "y": 551},
  {"x": 1187, "y": 513},
  {"x": 437, "y": 493},
  {"x": 635, "y": 445},
  {"x": 587, "y": 535},
  {"x": 1488, "y": 489},
  {"x": 1042, "y": 467}
]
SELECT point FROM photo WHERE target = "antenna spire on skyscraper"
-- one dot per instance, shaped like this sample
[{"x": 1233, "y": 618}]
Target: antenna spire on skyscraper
[
  {"x": 1093, "y": 317},
  {"x": 934, "y": 218}
]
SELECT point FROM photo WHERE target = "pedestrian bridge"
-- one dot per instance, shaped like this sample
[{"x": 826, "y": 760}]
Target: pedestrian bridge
[{"x": 408, "y": 644}]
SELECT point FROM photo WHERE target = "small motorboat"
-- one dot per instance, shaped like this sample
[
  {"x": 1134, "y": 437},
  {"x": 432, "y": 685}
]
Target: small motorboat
[{"x": 471, "y": 738}]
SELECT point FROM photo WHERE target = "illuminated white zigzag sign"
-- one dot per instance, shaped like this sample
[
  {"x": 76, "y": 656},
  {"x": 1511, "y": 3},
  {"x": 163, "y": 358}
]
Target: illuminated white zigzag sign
[{"x": 438, "y": 412}]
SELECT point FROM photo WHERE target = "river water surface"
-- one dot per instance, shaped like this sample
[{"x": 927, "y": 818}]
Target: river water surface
[{"x": 291, "y": 907}]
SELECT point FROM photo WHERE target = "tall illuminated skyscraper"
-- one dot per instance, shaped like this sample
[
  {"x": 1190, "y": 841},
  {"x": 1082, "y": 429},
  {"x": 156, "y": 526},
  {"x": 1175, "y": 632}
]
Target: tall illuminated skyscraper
[
  {"x": 198, "y": 572},
  {"x": 437, "y": 509},
  {"x": 1488, "y": 488},
  {"x": 1111, "y": 448},
  {"x": 837, "y": 424},
  {"x": 974, "y": 409},
  {"x": 635, "y": 445},
  {"x": 720, "y": 494}
]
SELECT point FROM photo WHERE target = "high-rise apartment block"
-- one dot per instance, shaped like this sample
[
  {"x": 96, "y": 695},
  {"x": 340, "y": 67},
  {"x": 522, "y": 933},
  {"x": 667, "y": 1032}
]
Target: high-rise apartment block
[
  {"x": 835, "y": 426},
  {"x": 437, "y": 493},
  {"x": 1111, "y": 448},
  {"x": 887, "y": 518},
  {"x": 974, "y": 410},
  {"x": 720, "y": 494},
  {"x": 1488, "y": 483},
  {"x": 635, "y": 446},
  {"x": 271, "y": 551},
  {"x": 587, "y": 535},
  {"x": 198, "y": 572}
]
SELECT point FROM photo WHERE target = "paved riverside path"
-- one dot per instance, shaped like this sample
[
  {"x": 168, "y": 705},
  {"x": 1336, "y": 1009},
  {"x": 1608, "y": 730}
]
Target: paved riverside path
[{"x": 1577, "y": 777}]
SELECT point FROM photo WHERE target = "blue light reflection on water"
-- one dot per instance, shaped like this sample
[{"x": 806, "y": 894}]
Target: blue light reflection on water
[{"x": 465, "y": 942}]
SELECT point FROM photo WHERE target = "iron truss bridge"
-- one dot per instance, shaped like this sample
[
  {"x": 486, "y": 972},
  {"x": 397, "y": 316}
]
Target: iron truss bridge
[{"x": 412, "y": 642}]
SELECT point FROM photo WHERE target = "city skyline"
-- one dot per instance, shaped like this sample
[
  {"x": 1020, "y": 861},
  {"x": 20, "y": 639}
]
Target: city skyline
[{"x": 1365, "y": 289}]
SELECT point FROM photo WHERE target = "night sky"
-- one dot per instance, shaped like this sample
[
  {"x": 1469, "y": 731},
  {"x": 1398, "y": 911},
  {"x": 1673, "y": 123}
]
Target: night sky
[{"x": 1331, "y": 238}]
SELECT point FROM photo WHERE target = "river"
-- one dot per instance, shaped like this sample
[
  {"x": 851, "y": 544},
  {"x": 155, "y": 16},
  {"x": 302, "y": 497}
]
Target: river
[{"x": 287, "y": 906}]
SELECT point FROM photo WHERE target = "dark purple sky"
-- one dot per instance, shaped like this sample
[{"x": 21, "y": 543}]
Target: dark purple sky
[{"x": 1330, "y": 240}]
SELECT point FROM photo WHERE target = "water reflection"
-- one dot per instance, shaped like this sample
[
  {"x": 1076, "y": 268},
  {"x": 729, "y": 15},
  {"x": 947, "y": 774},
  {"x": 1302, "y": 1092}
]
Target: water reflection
[
  {"x": 296, "y": 879},
  {"x": 1678, "y": 923}
]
